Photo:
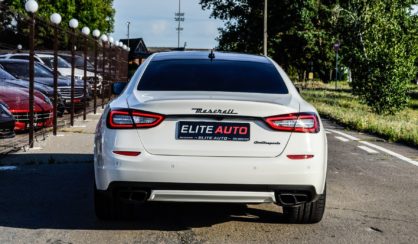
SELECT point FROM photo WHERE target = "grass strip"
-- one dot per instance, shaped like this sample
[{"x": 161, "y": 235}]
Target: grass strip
[{"x": 347, "y": 110}]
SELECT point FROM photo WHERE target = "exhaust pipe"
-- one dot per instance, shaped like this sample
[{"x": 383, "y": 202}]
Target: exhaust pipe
[
  {"x": 136, "y": 196},
  {"x": 291, "y": 199}
]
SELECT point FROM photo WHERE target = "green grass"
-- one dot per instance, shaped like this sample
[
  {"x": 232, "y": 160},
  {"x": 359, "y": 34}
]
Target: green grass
[{"x": 346, "y": 109}]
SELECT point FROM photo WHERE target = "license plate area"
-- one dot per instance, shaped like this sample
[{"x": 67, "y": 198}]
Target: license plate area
[{"x": 214, "y": 131}]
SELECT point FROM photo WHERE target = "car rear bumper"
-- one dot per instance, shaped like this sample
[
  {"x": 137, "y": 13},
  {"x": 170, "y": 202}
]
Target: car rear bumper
[
  {"x": 232, "y": 171},
  {"x": 220, "y": 193}
]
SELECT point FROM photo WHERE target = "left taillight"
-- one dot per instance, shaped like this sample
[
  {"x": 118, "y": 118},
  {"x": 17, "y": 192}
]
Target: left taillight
[
  {"x": 296, "y": 122},
  {"x": 132, "y": 119}
]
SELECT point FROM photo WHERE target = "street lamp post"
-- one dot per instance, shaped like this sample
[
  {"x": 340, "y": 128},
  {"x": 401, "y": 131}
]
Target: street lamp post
[
  {"x": 56, "y": 20},
  {"x": 265, "y": 29},
  {"x": 31, "y": 7},
  {"x": 73, "y": 24},
  {"x": 336, "y": 49},
  {"x": 104, "y": 40},
  {"x": 86, "y": 32},
  {"x": 119, "y": 61},
  {"x": 128, "y": 23},
  {"x": 125, "y": 62},
  {"x": 126, "y": 59},
  {"x": 111, "y": 41},
  {"x": 96, "y": 34}
]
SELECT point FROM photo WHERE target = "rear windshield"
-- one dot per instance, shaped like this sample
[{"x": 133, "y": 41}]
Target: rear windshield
[
  {"x": 216, "y": 75},
  {"x": 21, "y": 70}
]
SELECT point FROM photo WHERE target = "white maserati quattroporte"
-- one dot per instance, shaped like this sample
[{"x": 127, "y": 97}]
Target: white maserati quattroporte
[{"x": 210, "y": 127}]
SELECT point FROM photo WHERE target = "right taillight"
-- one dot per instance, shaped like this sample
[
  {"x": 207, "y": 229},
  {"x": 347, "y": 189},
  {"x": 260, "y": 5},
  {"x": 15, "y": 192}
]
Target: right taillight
[
  {"x": 131, "y": 119},
  {"x": 297, "y": 122}
]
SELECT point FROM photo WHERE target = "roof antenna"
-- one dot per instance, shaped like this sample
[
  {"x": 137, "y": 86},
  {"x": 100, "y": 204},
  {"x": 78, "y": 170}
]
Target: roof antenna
[{"x": 211, "y": 55}]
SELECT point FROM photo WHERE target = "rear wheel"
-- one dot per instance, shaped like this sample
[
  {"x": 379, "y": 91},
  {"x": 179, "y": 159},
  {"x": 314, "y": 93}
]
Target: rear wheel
[
  {"x": 108, "y": 207},
  {"x": 104, "y": 205},
  {"x": 307, "y": 213}
]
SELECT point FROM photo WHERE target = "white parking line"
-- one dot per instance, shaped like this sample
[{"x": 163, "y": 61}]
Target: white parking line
[
  {"x": 78, "y": 126},
  {"x": 345, "y": 135},
  {"x": 368, "y": 149},
  {"x": 397, "y": 155},
  {"x": 394, "y": 154},
  {"x": 35, "y": 149},
  {"x": 342, "y": 139}
]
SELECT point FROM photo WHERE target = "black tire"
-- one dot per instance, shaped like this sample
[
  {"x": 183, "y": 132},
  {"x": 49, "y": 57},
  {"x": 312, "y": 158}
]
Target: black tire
[
  {"x": 108, "y": 207},
  {"x": 307, "y": 213},
  {"x": 104, "y": 205}
]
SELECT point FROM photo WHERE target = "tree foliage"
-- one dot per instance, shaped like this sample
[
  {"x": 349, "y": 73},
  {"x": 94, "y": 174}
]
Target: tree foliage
[
  {"x": 380, "y": 50},
  {"x": 95, "y": 14},
  {"x": 378, "y": 39},
  {"x": 297, "y": 31}
]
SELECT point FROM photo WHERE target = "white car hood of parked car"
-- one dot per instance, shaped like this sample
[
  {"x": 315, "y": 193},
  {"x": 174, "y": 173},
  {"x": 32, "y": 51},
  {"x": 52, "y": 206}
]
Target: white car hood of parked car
[{"x": 79, "y": 73}]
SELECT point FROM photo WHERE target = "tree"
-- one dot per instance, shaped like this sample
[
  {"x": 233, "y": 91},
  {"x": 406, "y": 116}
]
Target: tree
[
  {"x": 297, "y": 31},
  {"x": 96, "y": 14},
  {"x": 379, "y": 49},
  {"x": 378, "y": 38}
]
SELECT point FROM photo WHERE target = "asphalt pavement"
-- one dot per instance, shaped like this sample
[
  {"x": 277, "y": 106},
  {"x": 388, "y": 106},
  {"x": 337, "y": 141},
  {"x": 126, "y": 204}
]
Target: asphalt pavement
[{"x": 46, "y": 197}]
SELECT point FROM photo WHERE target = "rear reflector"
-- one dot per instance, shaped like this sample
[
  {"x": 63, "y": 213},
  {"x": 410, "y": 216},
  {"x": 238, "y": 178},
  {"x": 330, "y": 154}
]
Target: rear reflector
[
  {"x": 130, "y": 119},
  {"x": 300, "y": 156},
  {"x": 127, "y": 153},
  {"x": 297, "y": 122}
]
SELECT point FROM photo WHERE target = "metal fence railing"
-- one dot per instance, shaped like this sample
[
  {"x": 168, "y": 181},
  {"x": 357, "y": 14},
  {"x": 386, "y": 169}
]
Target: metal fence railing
[{"x": 55, "y": 72}]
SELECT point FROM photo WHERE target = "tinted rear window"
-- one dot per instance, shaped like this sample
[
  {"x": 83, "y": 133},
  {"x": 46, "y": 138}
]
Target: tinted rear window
[
  {"x": 21, "y": 70},
  {"x": 218, "y": 75}
]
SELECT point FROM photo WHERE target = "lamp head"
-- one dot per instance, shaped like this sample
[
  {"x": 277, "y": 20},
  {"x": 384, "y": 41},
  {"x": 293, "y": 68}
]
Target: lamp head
[
  {"x": 85, "y": 30},
  {"x": 73, "y": 23},
  {"x": 55, "y": 18},
  {"x": 31, "y": 6}
]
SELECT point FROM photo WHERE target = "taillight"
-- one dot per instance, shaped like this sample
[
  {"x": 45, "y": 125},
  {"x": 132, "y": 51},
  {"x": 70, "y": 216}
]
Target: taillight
[
  {"x": 130, "y": 119},
  {"x": 297, "y": 122},
  {"x": 300, "y": 156},
  {"x": 127, "y": 153}
]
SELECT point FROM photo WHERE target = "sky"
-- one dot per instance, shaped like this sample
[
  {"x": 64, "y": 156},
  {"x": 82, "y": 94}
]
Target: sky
[{"x": 153, "y": 20}]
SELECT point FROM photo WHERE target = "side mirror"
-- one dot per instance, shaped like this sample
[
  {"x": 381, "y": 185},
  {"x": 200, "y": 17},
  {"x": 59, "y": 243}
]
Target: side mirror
[
  {"x": 298, "y": 89},
  {"x": 117, "y": 87}
]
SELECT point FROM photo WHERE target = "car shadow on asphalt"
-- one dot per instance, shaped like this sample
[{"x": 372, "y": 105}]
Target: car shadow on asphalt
[{"x": 60, "y": 196}]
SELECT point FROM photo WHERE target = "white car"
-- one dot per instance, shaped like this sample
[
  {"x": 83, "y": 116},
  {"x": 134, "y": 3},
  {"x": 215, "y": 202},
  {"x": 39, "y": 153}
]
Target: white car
[{"x": 210, "y": 127}]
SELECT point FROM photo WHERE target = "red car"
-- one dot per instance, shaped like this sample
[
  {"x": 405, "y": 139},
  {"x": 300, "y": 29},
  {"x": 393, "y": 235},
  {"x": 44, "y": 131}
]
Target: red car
[{"x": 17, "y": 100}]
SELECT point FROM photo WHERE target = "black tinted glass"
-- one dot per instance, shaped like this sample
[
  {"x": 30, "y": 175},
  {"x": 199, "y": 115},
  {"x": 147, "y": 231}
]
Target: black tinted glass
[
  {"x": 21, "y": 70},
  {"x": 17, "y": 69},
  {"x": 5, "y": 75},
  {"x": 216, "y": 75}
]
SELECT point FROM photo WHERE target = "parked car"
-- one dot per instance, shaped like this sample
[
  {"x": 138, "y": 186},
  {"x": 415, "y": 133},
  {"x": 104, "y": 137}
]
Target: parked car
[
  {"x": 79, "y": 61},
  {"x": 210, "y": 127},
  {"x": 64, "y": 67},
  {"x": 17, "y": 99},
  {"x": 7, "y": 79},
  {"x": 7, "y": 122},
  {"x": 43, "y": 75}
]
